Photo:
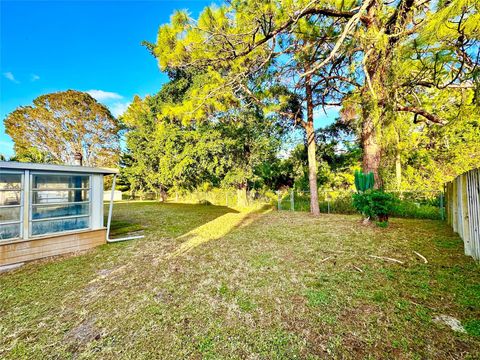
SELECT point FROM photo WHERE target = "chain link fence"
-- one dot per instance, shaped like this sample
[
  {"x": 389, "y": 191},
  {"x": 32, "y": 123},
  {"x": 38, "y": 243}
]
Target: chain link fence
[
  {"x": 411, "y": 204},
  {"x": 221, "y": 197},
  {"x": 218, "y": 197}
]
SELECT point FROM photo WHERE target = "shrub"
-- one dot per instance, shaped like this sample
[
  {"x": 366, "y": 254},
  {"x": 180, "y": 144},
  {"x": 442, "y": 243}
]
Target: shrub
[
  {"x": 382, "y": 224},
  {"x": 375, "y": 204},
  {"x": 416, "y": 210}
]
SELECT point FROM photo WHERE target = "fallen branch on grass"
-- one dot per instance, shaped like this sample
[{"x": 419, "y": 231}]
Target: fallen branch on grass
[
  {"x": 327, "y": 258},
  {"x": 421, "y": 257},
  {"x": 357, "y": 268},
  {"x": 386, "y": 258}
]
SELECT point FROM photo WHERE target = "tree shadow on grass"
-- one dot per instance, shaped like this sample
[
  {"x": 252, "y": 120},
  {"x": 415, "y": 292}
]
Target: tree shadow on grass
[
  {"x": 164, "y": 219},
  {"x": 217, "y": 228}
]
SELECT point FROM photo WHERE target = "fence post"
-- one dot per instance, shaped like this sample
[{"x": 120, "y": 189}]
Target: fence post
[
  {"x": 442, "y": 212},
  {"x": 292, "y": 200},
  {"x": 449, "y": 203},
  {"x": 279, "y": 200},
  {"x": 466, "y": 219}
]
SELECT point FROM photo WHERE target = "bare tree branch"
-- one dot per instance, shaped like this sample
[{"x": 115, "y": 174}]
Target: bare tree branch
[
  {"x": 349, "y": 26},
  {"x": 429, "y": 116}
]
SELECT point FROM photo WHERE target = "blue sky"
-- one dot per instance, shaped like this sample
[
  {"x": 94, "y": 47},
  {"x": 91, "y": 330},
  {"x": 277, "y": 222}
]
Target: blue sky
[
  {"x": 88, "y": 45},
  {"x": 49, "y": 46}
]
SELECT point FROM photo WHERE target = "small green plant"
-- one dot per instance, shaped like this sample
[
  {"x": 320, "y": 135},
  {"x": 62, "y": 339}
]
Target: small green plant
[
  {"x": 473, "y": 327},
  {"x": 375, "y": 204},
  {"x": 382, "y": 224},
  {"x": 364, "y": 182}
]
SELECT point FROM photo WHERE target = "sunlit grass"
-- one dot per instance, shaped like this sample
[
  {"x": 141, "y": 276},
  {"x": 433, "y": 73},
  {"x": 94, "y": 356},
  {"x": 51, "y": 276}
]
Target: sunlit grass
[{"x": 217, "y": 228}]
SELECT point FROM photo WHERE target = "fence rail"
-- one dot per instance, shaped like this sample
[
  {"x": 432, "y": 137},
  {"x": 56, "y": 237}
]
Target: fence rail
[{"x": 463, "y": 210}]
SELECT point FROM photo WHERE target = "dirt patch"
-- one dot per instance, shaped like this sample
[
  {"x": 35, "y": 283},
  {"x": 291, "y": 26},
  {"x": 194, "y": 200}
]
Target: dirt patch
[
  {"x": 163, "y": 296},
  {"x": 79, "y": 336}
]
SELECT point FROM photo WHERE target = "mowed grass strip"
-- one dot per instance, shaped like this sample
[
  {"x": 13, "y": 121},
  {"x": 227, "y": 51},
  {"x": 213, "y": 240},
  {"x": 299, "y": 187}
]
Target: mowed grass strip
[{"x": 212, "y": 282}]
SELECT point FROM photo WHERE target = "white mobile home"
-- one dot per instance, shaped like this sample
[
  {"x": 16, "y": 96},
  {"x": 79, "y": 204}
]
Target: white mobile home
[{"x": 48, "y": 210}]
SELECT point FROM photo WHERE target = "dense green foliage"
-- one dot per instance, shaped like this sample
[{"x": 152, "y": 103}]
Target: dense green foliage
[
  {"x": 165, "y": 152},
  {"x": 405, "y": 74},
  {"x": 375, "y": 204}
]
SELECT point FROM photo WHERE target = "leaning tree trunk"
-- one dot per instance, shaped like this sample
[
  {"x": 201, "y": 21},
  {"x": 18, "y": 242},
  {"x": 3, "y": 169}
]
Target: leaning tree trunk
[{"x": 311, "y": 149}]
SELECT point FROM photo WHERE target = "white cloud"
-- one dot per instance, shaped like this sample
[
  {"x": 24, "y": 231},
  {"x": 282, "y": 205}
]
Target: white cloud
[
  {"x": 118, "y": 108},
  {"x": 35, "y": 77},
  {"x": 101, "y": 95},
  {"x": 11, "y": 77},
  {"x": 111, "y": 99}
]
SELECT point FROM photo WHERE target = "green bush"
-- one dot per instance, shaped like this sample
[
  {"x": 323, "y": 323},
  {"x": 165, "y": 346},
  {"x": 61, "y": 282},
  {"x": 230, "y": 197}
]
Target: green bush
[
  {"x": 375, "y": 204},
  {"x": 416, "y": 210},
  {"x": 382, "y": 224}
]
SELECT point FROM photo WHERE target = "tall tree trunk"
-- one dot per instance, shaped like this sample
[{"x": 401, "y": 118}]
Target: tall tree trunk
[
  {"x": 373, "y": 91},
  {"x": 378, "y": 92},
  {"x": 242, "y": 200},
  {"x": 398, "y": 169},
  {"x": 311, "y": 149},
  {"x": 370, "y": 144},
  {"x": 312, "y": 168}
]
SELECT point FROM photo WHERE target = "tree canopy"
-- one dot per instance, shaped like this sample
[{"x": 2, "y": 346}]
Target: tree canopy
[
  {"x": 60, "y": 124},
  {"x": 167, "y": 152},
  {"x": 246, "y": 75},
  {"x": 410, "y": 63}
]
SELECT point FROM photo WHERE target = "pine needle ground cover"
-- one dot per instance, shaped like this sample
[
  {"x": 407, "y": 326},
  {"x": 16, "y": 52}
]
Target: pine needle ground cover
[{"x": 211, "y": 282}]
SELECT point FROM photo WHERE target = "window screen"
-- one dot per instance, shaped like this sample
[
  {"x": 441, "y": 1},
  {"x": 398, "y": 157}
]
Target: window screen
[
  {"x": 59, "y": 203},
  {"x": 11, "y": 195}
]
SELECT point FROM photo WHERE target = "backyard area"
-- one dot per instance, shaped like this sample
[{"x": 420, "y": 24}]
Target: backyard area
[{"x": 213, "y": 282}]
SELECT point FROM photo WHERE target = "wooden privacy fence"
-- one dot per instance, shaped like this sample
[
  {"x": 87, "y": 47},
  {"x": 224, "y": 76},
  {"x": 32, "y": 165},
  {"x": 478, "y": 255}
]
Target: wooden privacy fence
[{"x": 463, "y": 210}]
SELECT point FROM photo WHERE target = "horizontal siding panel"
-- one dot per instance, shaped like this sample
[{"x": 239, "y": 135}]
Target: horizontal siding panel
[
  {"x": 33, "y": 243},
  {"x": 40, "y": 248},
  {"x": 47, "y": 246},
  {"x": 46, "y": 254}
]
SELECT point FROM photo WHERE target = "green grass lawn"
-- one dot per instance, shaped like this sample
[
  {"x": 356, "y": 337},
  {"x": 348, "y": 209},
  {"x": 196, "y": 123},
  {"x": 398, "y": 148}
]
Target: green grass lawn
[{"x": 210, "y": 282}]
